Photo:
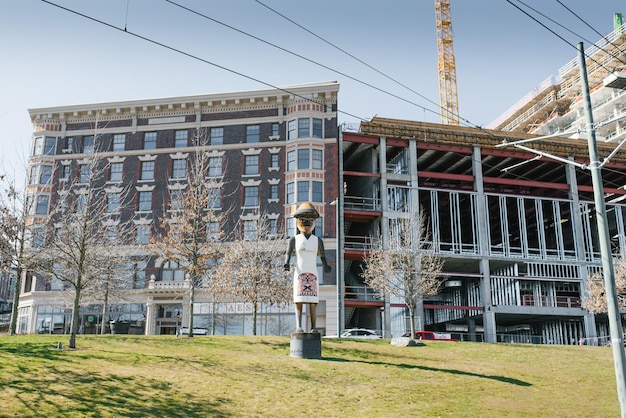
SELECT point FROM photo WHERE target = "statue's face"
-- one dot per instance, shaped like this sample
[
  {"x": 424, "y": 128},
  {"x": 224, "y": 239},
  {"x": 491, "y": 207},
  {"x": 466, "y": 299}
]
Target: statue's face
[{"x": 306, "y": 225}]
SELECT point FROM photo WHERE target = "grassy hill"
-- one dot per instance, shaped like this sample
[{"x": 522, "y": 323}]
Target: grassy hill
[{"x": 224, "y": 376}]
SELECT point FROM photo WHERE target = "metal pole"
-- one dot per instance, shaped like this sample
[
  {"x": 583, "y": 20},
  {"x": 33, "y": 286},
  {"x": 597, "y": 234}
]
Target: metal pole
[
  {"x": 615, "y": 325},
  {"x": 338, "y": 268}
]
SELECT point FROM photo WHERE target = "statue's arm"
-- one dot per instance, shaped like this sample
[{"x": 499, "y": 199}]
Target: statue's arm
[{"x": 290, "y": 250}]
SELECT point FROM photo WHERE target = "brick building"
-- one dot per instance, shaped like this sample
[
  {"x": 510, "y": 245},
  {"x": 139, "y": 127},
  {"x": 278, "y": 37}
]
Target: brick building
[{"x": 270, "y": 150}]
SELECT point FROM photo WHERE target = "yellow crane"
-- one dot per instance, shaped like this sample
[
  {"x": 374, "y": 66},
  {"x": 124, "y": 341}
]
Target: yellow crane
[{"x": 448, "y": 98}]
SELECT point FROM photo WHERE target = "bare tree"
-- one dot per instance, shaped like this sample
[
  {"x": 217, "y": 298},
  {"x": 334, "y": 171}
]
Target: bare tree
[
  {"x": 84, "y": 233},
  {"x": 594, "y": 299},
  {"x": 15, "y": 231},
  {"x": 253, "y": 266},
  {"x": 407, "y": 268},
  {"x": 191, "y": 234}
]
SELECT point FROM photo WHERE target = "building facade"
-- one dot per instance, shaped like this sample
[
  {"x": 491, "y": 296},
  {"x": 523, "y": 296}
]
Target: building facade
[
  {"x": 270, "y": 150},
  {"x": 556, "y": 105},
  {"x": 517, "y": 233}
]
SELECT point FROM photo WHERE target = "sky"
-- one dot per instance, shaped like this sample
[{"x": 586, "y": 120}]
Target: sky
[{"x": 382, "y": 53}]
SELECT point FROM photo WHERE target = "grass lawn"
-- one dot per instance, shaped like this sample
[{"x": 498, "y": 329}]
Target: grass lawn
[{"x": 232, "y": 376}]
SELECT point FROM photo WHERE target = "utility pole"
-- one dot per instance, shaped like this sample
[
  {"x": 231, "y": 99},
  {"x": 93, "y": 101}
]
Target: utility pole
[{"x": 615, "y": 324}]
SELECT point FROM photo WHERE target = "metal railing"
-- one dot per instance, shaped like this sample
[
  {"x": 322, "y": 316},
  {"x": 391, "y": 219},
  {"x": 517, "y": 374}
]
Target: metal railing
[{"x": 361, "y": 203}]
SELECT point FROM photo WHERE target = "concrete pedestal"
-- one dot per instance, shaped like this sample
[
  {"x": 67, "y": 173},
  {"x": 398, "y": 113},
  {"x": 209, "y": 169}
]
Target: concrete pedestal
[{"x": 306, "y": 345}]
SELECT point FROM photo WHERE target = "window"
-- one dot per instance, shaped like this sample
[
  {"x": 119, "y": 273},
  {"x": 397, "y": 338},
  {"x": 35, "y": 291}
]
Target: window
[
  {"x": 303, "y": 128},
  {"x": 290, "y": 192},
  {"x": 303, "y": 158},
  {"x": 88, "y": 144},
  {"x": 274, "y": 191},
  {"x": 303, "y": 191},
  {"x": 32, "y": 175},
  {"x": 113, "y": 202},
  {"x": 317, "y": 159},
  {"x": 145, "y": 201},
  {"x": 317, "y": 191},
  {"x": 115, "y": 173},
  {"x": 50, "y": 146},
  {"x": 291, "y": 160},
  {"x": 215, "y": 199},
  {"x": 65, "y": 171},
  {"x": 70, "y": 143},
  {"x": 38, "y": 146},
  {"x": 45, "y": 175},
  {"x": 142, "y": 234},
  {"x": 275, "y": 129},
  {"x": 147, "y": 170},
  {"x": 45, "y": 145},
  {"x": 172, "y": 270},
  {"x": 291, "y": 129},
  {"x": 215, "y": 166},
  {"x": 317, "y": 128},
  {"x": 275, "y": 160},
  {"x": 179, "y": 169},
  {"x": 252, "y": 164},
  {"x": 252, "y": 133},
  {"x": 213, "y": 231},
  {"x": 249, "y": 230},
  {"x": 176, "y": 199},
  {"x": 273, "y": 226},
  {"x": 81, "y": 203},
  {"x": 217, "y": 136},
  {"x": 140, "y": 275},
  {"x": 119, "y": 142},
  {"x": 181, "y": 139},
  {"x": 110, "y": 234},
  {"x": 251, "y": 196},
  {"x": 42, "y": 205},
  {"x": 85, "y": 173},
  {"x": 150, "y": 140}
]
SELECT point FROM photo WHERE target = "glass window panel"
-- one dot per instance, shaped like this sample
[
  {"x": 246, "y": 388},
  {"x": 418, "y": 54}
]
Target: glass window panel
[{"x": 150, "y": 140}]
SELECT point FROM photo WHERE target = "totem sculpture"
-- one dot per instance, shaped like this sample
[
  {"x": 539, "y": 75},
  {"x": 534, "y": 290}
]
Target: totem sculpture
[{"x": 306, "y": 247}]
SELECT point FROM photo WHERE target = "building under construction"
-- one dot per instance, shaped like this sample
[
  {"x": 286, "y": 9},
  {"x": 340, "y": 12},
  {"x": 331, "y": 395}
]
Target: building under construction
[
  {"x": 518, "y": 232},
  {"x": 556, "y": 105}
]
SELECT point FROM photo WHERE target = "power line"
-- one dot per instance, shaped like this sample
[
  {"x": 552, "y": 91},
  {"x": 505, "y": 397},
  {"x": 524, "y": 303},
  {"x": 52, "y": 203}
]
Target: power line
[
  {"x": 301, "y": 57},
  {"x": 350, "y": 54},
  {"x": 171, "y": 48}
]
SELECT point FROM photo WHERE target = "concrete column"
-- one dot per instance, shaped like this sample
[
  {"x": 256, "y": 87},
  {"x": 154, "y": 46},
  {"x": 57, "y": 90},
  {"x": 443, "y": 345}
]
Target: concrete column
[
  {"x": 489, "y": 316},
  {"x": 589, "y": 319}
]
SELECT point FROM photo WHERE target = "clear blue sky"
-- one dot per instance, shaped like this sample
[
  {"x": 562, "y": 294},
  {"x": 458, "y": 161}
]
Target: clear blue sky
[{"x": 51, "y": 57}]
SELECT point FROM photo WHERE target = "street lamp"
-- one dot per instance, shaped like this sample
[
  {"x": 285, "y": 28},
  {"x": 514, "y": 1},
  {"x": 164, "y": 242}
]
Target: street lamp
[{"x": 338, "y": 266}]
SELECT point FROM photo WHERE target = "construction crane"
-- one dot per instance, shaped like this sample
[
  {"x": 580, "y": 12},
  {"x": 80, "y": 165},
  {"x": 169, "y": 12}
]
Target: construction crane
[{"x": 448, "y": 98}]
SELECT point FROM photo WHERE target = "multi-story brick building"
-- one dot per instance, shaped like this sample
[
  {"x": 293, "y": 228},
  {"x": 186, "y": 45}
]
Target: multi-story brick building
[{"x": 270, "y": 150}]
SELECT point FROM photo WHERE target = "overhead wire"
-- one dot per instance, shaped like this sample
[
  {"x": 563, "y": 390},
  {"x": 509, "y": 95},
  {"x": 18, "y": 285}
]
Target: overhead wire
[
  {"x": 163, "y": 45},
  {"x": 301, "y": 56},
  {"x": 187, "y": 54},
  {"x": 371, "y": 67}
]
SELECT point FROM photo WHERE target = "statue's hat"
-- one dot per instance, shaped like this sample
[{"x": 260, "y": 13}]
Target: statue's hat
[{"x": 306, "y": 210}]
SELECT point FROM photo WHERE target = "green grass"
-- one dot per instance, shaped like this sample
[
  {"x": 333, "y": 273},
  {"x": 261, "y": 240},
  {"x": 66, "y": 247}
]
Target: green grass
[{"x": 229, "y": 376}]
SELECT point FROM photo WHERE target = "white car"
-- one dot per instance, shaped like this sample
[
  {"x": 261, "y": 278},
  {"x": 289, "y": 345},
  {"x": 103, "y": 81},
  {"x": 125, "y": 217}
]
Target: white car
[
  {"x": 196, "y": 331},
  {"x": 360, "y": 333}
]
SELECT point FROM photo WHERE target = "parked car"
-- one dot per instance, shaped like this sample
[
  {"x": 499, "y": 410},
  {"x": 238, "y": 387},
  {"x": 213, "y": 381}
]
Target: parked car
[
  {"x": 360, "y": 333},
  {"x": 430, "y": 336},
  {"x": 196, "y": 331}
]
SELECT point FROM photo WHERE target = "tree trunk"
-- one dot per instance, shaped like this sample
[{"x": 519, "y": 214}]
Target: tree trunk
[
  {"x": 411, "y": 307},
  {"x": 192, "y": 295},
  {"x": 105, "y": 308},
  {"x": 254, "y": 314},
  {"x": 75, "y": 318}
]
